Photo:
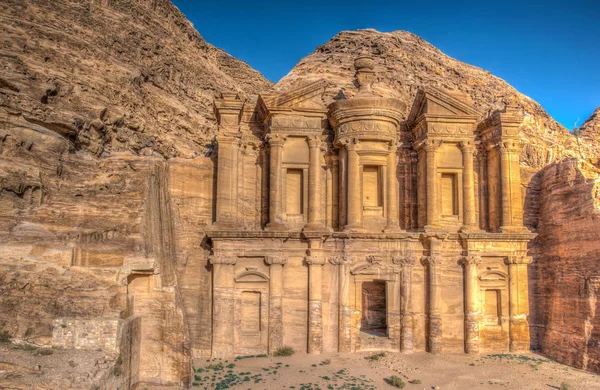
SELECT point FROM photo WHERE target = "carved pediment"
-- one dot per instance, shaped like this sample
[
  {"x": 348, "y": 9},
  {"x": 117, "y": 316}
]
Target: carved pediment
[
  {"x": 306, "y": 98},
  {"x": 251, "y": 276},
  {"x": 434, "y": 101}
]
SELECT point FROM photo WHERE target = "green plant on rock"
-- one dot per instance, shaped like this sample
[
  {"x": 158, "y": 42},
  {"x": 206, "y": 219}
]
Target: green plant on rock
[
  {"x": 396, "y": 381},
  {"x": 564, "y": 386},
  {"x": 284, "y": 351},
  {"x": 4, "y": 337}
]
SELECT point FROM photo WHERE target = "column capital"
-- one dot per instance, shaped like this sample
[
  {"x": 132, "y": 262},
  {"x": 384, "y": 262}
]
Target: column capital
[
  {"x": 275, "y": 139},
  {"x": 314, "y": 260},
  {"x": 471, "y": 260},
  {"x": 341, "y": 260},
  {"x": 272, "y": 260},
  {"x": 518, "y": 260},
  {"x": 405, "y": 261},
  {"x": 505, "y": 147},
  {"x": 314, "y": 141},
  {"x": 467, "y": 147},
  {"x": 223, "y": 259},
  {"x": 432, "y": 260}
]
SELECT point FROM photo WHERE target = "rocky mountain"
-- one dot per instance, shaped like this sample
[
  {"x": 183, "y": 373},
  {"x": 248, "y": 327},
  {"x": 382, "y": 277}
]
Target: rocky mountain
[
  {"x": 406, "y": 62},
  {"x": 116, "y": 75},
  {"x": 590, "y": 129}
]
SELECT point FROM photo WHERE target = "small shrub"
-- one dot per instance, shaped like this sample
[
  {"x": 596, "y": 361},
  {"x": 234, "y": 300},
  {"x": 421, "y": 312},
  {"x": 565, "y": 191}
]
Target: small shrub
[
  {"x": 44, "y": 352},
  {"x": 396, "y": 381},
  {"x": 564, "y": 386},
  {"x": 26, "y": 347},
  {"x": 117, "y": 371},
  {"x": 216, "y": 367},
  {"x": 415, "y": 382},
  {"x": 28, "y": 332},
  {"x": 119, "y": 360},
  {"x": 284, "y": 351},
  {"x": 376, "y": 356},
  {"x": 4, "y": 337},
  {"x": 63, "y": 325},
  {"x": 326, "y": 362},
  {"x": 72, "y": 363}
]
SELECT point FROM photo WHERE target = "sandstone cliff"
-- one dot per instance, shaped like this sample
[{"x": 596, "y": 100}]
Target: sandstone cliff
[
  {"x": 406, "y": 62},
  {"x": 590, "y": 129},
  {"x": 116, "y": 75},
  {"x": 95, "y": 96},
  {"x": 565, "y": 277}
]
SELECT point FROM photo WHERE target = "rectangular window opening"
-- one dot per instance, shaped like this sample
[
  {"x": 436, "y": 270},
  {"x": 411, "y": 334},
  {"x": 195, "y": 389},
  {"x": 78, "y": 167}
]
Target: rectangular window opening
[
  {"x": 372, "y": 192},
  {"x": 449, "y": 195},
  {"x": 295, "y": 192}
]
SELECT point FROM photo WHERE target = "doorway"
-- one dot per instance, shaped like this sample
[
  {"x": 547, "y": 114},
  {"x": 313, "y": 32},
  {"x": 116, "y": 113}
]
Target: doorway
[{"x": 374, "y": 309}]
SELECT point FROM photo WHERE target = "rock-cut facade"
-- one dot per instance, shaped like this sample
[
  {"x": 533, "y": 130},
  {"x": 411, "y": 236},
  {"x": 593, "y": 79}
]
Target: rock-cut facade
[{"x": 351, "y": 227}]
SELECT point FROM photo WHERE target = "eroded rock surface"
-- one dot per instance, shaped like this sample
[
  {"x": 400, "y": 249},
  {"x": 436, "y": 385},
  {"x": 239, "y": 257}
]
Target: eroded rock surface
[{"x": 565, "y": 278}]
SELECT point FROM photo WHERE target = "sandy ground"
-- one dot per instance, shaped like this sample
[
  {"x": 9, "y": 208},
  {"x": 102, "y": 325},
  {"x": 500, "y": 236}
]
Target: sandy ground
[
  {"x": 354, "y": 371},
  {"x": 28, "y": 367}
]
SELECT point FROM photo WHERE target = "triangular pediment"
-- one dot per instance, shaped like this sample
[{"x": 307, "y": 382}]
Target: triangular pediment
[
  {"x": 304, "y": 98},
  {"x": 433, "y": 101}
]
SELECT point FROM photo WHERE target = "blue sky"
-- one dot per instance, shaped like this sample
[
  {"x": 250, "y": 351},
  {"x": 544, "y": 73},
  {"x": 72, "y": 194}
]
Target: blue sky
[{"x": 548, "y": 50}]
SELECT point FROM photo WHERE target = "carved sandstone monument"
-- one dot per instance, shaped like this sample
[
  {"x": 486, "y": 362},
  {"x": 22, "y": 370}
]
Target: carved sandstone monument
[
  {"x": 358, "y": 220},
  {"x": 382, "y": 203}
]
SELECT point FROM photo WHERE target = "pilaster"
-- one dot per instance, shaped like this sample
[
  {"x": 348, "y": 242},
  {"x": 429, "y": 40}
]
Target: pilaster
[
  {"x": 471, "y": 303},
  {"x": 343, "y": 264},
  {"x": 518, "y": 302},
  {"x": 223, "y": 309},
  {"x": 406, "y": 310},
  {"x": 276, "y": 264},
  {"x": 315, "y": 303},
  {"x": 469, "y": 214},
  {"x": 433, "y": 264},
  {"x": 354, "y": 213},
  {"x": 315, "y": 220}
]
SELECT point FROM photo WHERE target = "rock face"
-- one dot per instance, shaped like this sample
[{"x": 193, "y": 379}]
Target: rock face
[
  {"x": 406, "y": 62},
  {"x": 94, "y": 97},
  {"x": 565, "y": 279},
  {"x": 115, "y": 76},
  {"x": 590, "y": 129}
]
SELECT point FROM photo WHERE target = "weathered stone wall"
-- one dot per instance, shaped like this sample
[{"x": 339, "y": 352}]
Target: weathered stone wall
[
  {"x": 565, "y": 276},
  {"x": 86, "y": 334}
]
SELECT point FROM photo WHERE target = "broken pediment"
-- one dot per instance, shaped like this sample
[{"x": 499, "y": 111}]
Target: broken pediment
[
  {"x": 433, "y": 101},
  {"x": 304, "y": 99}
]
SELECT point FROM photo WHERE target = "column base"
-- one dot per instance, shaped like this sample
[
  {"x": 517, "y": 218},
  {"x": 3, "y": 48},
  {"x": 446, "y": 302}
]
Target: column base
[
  {"x": 393, "y": 229},
  {"x": 470, "y": 229},
  {"x": 514, "y": 229},
  {"x": 276, "y": 227},
  {"x": 315, "y": 227},
  {"x": 354, "y": 229},
  {"x": 225, "y": 225}
]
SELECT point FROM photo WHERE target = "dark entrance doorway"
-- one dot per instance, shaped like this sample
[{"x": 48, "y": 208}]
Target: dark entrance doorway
[{"x": 374, "y": 319}]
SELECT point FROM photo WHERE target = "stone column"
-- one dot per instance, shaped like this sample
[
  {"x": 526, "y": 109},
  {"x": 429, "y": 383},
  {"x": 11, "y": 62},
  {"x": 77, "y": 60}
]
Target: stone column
[
  {"x": 431, "y": 184},
  {"x": 315, "y": 304},
  {"x": 315, "y": 219},
  {"x": 406, "y": 310},
  {"x": 393, "y": 310},
  {"x": 392, "y": 191},
  {"x": 518, "y": 302},
  {"x": 469, "y": 215},
  {"x": 342, "y": 190},
  {"x": 354, "y": 213},
  {"x": 223, "y": 310},
  {"x": 435, "y": 303},
  {"x": 276, "y": 142},
  {"x": 276, "y": 264},
  {"x": 505, "y": 184},
  {"x": 227, "y": 182},
  {"x": 471, "y": 304},
  {"x": 344, "y": 319}
]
